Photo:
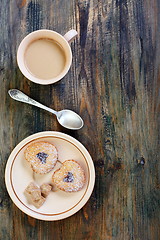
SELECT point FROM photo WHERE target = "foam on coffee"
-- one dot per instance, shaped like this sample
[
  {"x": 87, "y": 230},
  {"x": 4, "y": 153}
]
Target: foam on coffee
[{"x": 45, "y": 58}]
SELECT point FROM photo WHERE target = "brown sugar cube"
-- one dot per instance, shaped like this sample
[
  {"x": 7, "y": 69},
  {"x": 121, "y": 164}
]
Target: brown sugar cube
[
  {"x": 33, "y": 191},
  {"x": 33, "y": 194},
  {"x": 39, "y": 203},
  {"x": 45, "y": 189},
  {"x": 28, "y": 196}
]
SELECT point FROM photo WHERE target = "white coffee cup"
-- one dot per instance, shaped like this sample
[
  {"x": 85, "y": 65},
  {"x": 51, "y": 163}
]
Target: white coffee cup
[{"x": 63, "y": 41}]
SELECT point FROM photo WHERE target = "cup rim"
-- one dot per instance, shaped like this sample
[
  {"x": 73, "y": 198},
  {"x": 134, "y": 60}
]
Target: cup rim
[{"x": 33, "y": 78}]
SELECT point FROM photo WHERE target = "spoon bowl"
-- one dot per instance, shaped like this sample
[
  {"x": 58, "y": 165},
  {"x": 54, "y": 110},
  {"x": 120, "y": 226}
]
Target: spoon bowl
[
  {"x": 69, "y": 119},
  {"x": 66, "y": 118}
]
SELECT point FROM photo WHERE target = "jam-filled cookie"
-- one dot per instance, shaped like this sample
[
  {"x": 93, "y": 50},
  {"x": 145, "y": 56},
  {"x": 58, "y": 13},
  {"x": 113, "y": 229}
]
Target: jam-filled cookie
[
  {"x": 42, "y": 156},
  {"x": 70, "y": 177}
]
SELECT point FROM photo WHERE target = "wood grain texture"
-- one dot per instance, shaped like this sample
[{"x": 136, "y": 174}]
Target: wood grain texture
[{"x": 114, "y": 85}]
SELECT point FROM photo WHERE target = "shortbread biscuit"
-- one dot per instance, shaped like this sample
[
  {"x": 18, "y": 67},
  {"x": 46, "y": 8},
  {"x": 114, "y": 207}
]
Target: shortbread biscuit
[
  {"x": 70, "y": 177},
  {"x": 42, "y": 156}
]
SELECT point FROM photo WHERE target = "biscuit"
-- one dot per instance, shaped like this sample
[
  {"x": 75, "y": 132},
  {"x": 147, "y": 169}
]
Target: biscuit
[
  {"x": 70, "y": 177},
  {"x": 42, "y": 156}
]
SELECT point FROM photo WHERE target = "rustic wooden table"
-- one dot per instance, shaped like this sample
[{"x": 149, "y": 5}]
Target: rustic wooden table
[{"x": 113, "y": 84}]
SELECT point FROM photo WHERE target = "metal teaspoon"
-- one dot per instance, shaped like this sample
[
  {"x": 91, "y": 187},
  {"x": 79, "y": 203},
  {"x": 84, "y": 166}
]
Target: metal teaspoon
[{"x": 66, "y": 118}]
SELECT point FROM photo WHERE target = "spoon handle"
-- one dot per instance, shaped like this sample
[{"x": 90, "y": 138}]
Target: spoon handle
[{"x": 21, "y": 97}]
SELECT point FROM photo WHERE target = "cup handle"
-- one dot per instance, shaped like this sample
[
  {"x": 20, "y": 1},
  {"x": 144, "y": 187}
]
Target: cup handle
[{"x": 70, "y": 35}]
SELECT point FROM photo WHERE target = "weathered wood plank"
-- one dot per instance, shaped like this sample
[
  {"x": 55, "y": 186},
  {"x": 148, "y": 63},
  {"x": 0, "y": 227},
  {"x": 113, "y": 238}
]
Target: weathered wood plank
[{"x": 114, "y": 84}]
